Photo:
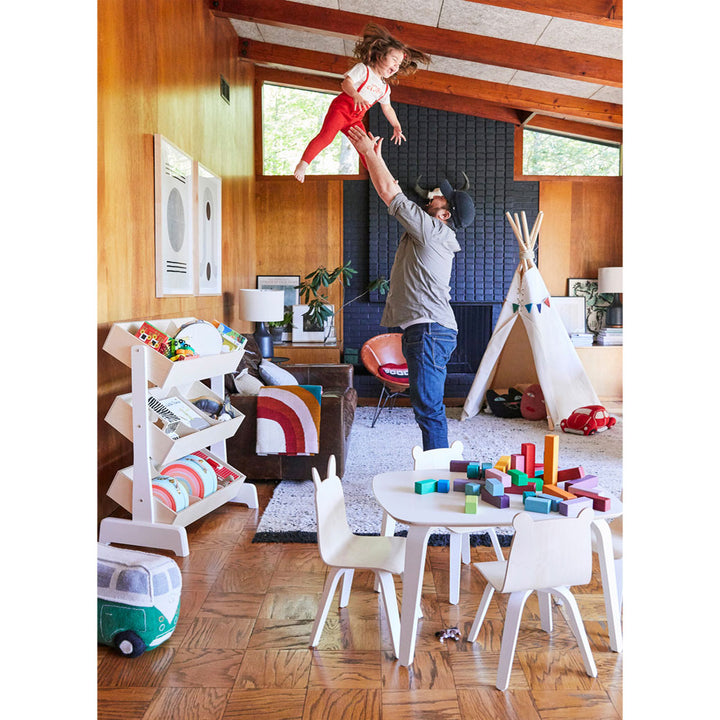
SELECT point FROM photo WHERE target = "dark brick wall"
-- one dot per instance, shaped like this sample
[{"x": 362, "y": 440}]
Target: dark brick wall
[{"x": 440, "y": 145}]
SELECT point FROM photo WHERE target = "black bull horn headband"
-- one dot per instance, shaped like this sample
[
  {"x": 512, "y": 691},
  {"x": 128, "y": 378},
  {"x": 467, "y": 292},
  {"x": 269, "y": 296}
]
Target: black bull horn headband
[{"x": 427, "y": 194}]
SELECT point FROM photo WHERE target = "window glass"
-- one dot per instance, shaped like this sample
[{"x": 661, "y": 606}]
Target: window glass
[
  {"x": 134, "y": 581},
  {"x": 175, "y": 578},
  {"x": 160, "y": 583},
  {"x": 548, "y": 154},
  {"x": 291, "y": 117},
  {"x": 104, "y": 575}
]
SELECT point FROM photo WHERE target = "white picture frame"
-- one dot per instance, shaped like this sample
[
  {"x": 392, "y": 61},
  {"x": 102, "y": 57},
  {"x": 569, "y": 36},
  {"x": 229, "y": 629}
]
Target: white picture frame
[
  {"x": 301, "y": 333},
  {"x": 572, "y": 313},
  {"x": 174, "y": 220},
  {"x": 208, "y": 231}
]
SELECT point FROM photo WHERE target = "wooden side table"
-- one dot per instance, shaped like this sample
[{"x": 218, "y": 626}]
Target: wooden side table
[{"x": 314, "y": 353}]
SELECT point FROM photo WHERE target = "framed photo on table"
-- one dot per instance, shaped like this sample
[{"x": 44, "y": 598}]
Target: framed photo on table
[
  {"x": 287, "y": 284},
  {"x": 596, "y": 304},
  {"x": 572, "y": 313},
  {"x": 306, "y": 331}
]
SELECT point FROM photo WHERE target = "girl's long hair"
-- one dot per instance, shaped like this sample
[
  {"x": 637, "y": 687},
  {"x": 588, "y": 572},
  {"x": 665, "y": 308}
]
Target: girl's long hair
[{"x": 377, "y": 42}]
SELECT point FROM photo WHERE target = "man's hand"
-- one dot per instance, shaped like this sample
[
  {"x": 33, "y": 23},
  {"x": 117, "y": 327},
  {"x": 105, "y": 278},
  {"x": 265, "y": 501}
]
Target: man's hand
[{"x": 364, "y": 143}]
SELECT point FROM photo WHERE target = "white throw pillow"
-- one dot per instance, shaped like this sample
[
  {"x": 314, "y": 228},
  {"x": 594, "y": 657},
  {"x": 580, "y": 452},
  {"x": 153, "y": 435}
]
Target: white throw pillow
[
  {"x": 246, "y": 384},
  {"x": 275, "y": 375}
]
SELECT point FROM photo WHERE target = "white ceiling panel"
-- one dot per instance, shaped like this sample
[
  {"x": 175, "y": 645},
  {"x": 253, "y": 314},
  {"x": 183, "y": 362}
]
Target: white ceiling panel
[
  {"x": 465, "y": 68},
  {"x": 609, "y": 94},
  {"x": 497, "y": 22},
  {"x": 583, "y": 37},
  {"x": 422, "y": 12},
  {"x": 549, "y": 83}
]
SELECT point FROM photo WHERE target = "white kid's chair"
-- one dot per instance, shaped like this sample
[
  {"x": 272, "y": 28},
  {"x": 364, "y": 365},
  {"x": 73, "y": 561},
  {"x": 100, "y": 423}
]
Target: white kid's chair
[
  {"x": 547, "y": 556},
  {"x": 616, "y": 533},
  {"x": 440, "y": 458},
  {"x": 345, "y": 552}
]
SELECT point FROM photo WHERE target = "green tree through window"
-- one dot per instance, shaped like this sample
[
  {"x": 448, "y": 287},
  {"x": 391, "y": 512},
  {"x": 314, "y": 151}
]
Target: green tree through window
[
  {"x": 546, "y": 154},
  {"x": 290, "y": 119}
]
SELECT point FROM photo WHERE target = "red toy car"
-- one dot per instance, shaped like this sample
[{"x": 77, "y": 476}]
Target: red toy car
[{"x": 588, "y": 420}]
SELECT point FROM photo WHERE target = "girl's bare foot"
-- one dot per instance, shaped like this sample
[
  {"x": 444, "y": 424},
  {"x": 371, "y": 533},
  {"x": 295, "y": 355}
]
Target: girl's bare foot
[{"x": 299, "y": 173}]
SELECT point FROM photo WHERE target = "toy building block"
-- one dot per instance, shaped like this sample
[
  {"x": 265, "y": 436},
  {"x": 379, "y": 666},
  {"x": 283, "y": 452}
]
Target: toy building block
[
  {"x": 557, "y": 492},
  {"x": 459, "y": 465},
  {"x": 472, "y": 488},
  {"x": 503, "y": 463},
  {"x": 423, "y": 487},
  {"x": 528, "y": 452},
  {"x": 443, "y": 486},
  {"x": 503, "y": 477},
  {"x": 589, "y": 482},
  {"x": 517, "y": 477},
  {"x": 527, "y": 494},
  {"x": 517, "y": 462},
  {"x": 554, "y": 501},
  {"x": 471, "y": 503},
  {"x": 570, "y": 474},
  {"x": 520, "y": 489},
  {"x": 484, "y": 467},
  {"x": 473, "y": 470},
  {"x": 571, "y": 508},
  {"x": 494, "y": 486},
  {"x": 599, "y": 502},
  {"x": 499, "y": 501},
  {"x": 550, "y": 461},
  {"x": 533, "y": 503},
  {"x": 459, "y": 485}
]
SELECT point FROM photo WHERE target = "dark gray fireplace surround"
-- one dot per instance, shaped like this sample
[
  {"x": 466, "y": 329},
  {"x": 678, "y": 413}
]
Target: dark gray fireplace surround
[{"x": 440, "y": 145}]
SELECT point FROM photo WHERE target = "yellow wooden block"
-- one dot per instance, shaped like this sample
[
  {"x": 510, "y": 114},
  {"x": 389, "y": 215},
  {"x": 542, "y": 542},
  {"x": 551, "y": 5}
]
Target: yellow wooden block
[
  {"x": 550, "y": 459},
  {"x": 503, "y": 463}
]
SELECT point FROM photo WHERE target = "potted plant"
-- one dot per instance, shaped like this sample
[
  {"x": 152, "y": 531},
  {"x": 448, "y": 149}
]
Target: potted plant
[
  {"x": 278, "y": 327},
  {"x": 314, "y": 291}
]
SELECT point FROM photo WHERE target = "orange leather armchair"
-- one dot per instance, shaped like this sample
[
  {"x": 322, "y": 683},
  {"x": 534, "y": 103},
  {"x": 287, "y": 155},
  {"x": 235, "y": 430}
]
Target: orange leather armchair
[{"x": 375, "y": 354}]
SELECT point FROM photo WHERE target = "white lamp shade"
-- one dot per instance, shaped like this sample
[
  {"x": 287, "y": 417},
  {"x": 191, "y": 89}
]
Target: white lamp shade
[
  {"x": 262, "y": 305},
  {"x": 610, "y": 280}
]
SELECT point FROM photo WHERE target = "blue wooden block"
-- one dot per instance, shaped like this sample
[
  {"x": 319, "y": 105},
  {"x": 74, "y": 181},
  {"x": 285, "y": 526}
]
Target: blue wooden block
[
  {"x": 472, "y": 488},
  {"x": 554, "y": 501},
  {"x": 494, "y": 486},
  {"x": 527, "y": 494},
  {"x": 483, "y": 467},
  {"x": 537, "y": 504},
  {"x": 443, "y": 486},
  {"x": 423, "y": 487}
]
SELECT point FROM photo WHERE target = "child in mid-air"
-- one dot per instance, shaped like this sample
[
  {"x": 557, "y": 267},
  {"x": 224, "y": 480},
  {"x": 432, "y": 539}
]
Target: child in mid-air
[{"x": 382, "y": 58}]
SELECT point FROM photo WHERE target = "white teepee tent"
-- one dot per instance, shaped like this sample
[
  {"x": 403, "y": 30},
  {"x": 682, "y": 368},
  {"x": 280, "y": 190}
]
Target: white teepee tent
[{"x": 537, "y": 349}]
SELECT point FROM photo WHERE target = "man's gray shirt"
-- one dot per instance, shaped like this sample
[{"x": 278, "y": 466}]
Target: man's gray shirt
[{"x": 420, "y": 276}]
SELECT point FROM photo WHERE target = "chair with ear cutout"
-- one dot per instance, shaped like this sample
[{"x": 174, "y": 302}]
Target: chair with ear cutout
[
  {"x": 345, "y": 552},
  {"x": 383, "y": 357},
  {"x": 547, "y": 557}
]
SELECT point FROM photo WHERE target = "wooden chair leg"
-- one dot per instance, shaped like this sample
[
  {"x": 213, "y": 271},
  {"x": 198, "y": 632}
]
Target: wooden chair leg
[
  {"x": 480, "y": 615},
  {"x": 513, "y": 615},
  {"x": 387, "y": 588},
  {"x": 328, "y": 593},
  {"x": 578, "y": 628}
]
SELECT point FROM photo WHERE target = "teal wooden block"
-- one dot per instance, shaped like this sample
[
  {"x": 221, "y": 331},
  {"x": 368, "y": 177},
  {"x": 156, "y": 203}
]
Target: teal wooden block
[
  {"x": 473, "y": 470},
  {"x": 472, "y": 488},
  {"x": 494, "y": 486},
  {"x": 443, "y": 486},
  {"x": 471, "y": 503},
  {"x": 423, "y": 487},
  {"x": 554, "y": 501},
  {"x": 485, "y": 466},
  {"x": 518, "y": 477},
  {"x": 537, "y": 504},
  {"x": 527, "y": 494}
]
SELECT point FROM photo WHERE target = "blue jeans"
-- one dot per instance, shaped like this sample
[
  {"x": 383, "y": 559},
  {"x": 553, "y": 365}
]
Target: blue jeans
[{"x": 427, "y": 348}]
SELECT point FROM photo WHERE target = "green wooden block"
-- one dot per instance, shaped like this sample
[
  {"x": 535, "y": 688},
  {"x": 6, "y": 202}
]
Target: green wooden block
[
  {"x": 423, "y": 487},
  {"x": 518, "y": 477},
  {"x": 471, "y": 503}
]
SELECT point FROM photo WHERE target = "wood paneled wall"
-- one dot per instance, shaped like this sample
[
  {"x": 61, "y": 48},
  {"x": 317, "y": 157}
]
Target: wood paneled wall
[
  {"x": 581, "y": 231},
  {"x": 159, "y": 67}
]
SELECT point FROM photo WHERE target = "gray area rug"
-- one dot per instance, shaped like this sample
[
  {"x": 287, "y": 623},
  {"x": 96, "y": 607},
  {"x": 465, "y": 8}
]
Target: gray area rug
[{"x": 290, "y": 514}]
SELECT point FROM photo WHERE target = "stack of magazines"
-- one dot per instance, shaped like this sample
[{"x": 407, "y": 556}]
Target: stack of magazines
[
  {"x": 610, "y": 336},
  {"x": 582, "y": 339}
]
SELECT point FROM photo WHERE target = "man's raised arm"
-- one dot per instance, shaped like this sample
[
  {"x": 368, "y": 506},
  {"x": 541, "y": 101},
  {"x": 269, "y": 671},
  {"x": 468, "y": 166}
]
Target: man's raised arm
[{"x": 370, "y": 148}]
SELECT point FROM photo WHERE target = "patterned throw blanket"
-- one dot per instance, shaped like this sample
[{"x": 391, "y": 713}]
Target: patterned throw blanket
[{"x": 288, "y": 420}]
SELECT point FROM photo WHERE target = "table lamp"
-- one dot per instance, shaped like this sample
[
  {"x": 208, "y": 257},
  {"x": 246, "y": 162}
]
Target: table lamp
[
  {"x": 610, "y": 283},
  {"x": 261, "y": 306}
]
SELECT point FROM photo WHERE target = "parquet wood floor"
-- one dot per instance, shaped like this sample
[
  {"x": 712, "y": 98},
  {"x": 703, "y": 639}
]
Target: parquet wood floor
[{"x": 241, "y": 647}]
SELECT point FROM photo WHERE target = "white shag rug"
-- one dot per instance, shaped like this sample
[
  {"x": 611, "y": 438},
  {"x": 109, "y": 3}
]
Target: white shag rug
[{"x": 290, "y": 514}]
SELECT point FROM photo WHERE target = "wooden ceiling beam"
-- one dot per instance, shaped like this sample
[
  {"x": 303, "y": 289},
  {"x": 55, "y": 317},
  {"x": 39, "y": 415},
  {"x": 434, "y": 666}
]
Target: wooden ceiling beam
[
  {"x": 598, "y": 12},
  {"x": 498, "y": 94},
  {"x": 432, "y": 40}
]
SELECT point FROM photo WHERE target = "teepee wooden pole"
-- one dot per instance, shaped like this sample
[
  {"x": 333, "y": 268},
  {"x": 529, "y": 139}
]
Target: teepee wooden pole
[
  {"x": 515, "y": 228},
  {"x": 526, "y": 232},
  {"x": 536, "y": 229}
]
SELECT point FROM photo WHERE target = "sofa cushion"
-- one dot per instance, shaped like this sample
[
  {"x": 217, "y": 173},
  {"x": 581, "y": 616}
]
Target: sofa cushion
[
  {"x": 274, "y": 375},
  {"x": 246, "y": 384},
  {"x": 394, "y": 373}
]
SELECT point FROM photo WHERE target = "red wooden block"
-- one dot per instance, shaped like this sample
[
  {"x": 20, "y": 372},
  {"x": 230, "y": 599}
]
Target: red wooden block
[
  {"x": 520, "y": 489},
  {"x": 528, "y": 451},
  {"x": 600, "y": 502},
  {"x": 570, "y": 474},
  {"x": 499, "y": 501}
]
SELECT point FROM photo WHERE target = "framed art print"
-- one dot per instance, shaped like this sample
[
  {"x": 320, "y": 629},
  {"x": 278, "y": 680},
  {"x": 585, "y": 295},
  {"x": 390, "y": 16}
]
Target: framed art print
[
  {"x": 572, "y": 312},
  {"x": 208, "y": 235},
  {"x": 174, "y": 243},
  {"x": 287, "y": 283},
  {"x": 595, "y": 304},
  {"x": 306, "y": 331}
]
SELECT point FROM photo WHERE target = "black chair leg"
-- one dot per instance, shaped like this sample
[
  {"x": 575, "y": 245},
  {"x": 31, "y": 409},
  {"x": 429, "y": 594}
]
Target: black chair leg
[{"x": 382, "y": 402}]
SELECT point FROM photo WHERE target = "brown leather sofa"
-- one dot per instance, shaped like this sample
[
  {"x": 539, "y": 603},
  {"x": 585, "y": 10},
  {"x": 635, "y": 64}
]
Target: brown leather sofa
[{"x": 337, "y": 411}]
